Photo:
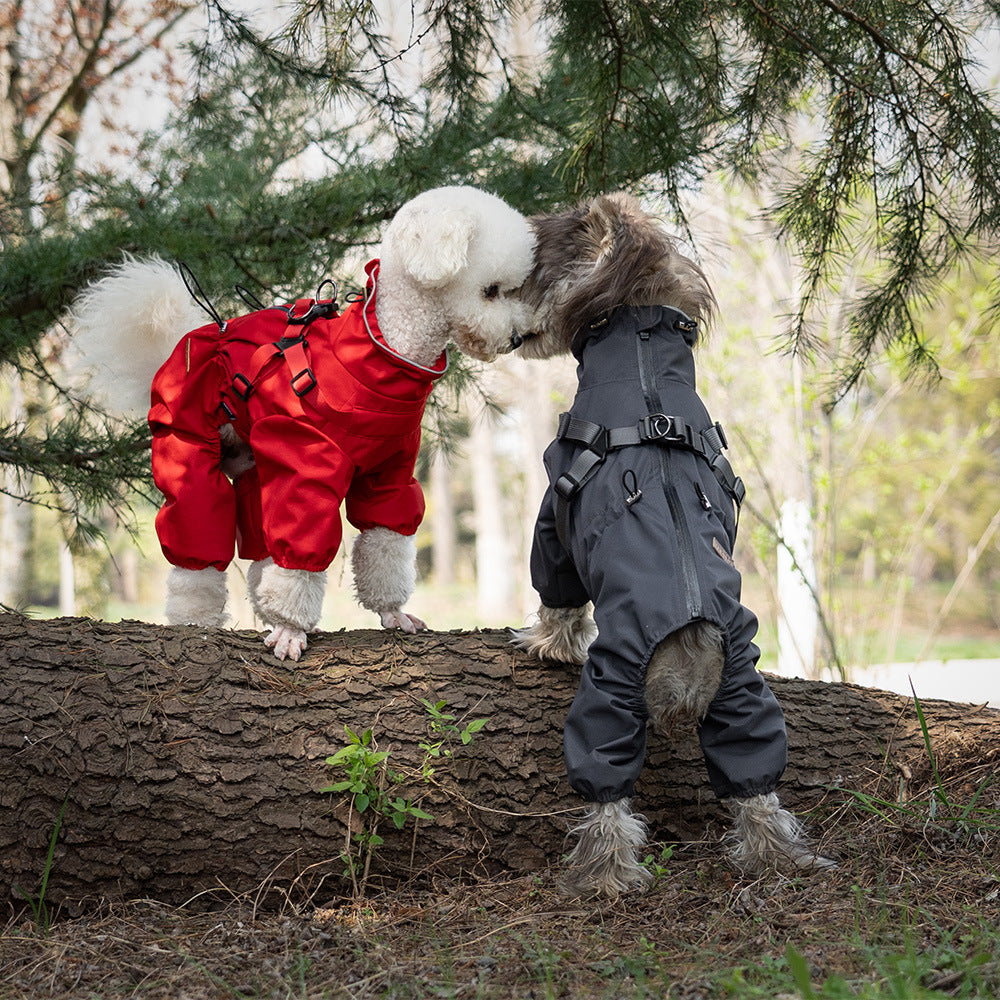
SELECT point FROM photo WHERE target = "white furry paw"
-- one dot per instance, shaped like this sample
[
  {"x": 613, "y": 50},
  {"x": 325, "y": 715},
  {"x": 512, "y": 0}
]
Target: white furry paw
[
  {"x": 290, "y": 597},
  {"x": 410, "y": 624},
  {"x": 562, "y": 634},
  {"x": 385, "y": 570},
  {"x": 196, "y": 597},
  {"x": 287, "y": 642}
]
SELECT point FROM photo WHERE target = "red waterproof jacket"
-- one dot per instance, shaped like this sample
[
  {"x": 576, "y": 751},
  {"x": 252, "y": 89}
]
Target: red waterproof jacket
[{"x": 334, "y": 418}]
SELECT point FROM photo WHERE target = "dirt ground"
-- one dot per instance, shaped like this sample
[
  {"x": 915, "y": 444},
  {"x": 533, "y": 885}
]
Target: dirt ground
[{"x": 907, "y": 894}]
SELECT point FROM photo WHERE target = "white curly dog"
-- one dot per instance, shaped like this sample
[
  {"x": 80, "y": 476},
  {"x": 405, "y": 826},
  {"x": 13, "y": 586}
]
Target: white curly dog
[{"x": 258, "y": 439}]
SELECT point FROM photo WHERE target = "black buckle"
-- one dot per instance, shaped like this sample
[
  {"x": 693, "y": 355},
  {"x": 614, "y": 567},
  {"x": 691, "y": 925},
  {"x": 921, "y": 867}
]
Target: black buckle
[
  {"x": 316, "y": 311},
  {"x": 660, "y": 427},
  {"x": 242, "y": 386},
  {"x": 307, "y": 372}
]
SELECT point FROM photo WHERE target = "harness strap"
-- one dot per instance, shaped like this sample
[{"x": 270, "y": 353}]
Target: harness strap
[
  {"x": 292, "y": 347},
  {"x": 655, "y": 428}
]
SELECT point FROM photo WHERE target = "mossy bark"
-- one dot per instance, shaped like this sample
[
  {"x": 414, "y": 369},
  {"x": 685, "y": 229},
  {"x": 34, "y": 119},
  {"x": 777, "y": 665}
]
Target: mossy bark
[{"x": 193, "y": 762}]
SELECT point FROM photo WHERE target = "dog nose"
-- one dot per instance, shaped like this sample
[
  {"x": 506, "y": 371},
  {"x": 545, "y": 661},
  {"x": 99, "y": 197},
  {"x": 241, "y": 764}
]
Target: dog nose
[{"x": 516, "y": 340}]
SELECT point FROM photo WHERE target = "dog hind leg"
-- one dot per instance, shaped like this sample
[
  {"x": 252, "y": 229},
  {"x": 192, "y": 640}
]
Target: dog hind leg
[
  {"x": 290, "y": 601},
  {"x": 385, "y": 573},
  {"x": 766, "y": 836},
  {"x": 196, "y": 597},
  {"x": 605, "y": 860}
]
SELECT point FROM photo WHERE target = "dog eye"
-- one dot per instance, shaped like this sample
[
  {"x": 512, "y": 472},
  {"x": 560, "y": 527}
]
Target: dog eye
[{"x": 491, "y": 292}]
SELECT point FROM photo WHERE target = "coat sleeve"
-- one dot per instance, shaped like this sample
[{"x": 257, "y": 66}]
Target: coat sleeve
[
  {"x": 389, "y": 495},
  {"x": 304, "y": 477},
  {"x": 553, "y": 573}
]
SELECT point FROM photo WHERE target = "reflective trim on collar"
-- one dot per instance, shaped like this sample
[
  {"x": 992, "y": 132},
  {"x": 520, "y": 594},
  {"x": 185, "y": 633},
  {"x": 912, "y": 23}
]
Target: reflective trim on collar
[{"x": 369, "y": 295}]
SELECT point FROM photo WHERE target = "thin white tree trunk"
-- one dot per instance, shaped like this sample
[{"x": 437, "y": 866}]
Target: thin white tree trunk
[
  {"x": 494, "y": 579},
  {"x": 67, "y": 580},
  {"x": 798, "y": 618},
  {"x": 16, "y": 516},
  {"x": 444, "y": 541}
]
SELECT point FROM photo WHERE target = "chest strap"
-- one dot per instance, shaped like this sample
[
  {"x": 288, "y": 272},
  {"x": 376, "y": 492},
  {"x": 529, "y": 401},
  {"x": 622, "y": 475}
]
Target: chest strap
[{"x": 655, "y": 428}]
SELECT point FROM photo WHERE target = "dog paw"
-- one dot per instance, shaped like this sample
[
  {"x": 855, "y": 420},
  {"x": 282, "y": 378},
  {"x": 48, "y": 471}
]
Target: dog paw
[
  {"x": 401, "y": 620},
  {"x": 561, "y": 634},
  {"x": 287, "y": 642}
]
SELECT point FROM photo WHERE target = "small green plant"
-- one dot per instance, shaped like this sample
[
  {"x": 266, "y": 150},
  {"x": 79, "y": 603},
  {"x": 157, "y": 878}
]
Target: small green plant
[
  {"x": 369, "y": 781},
  {"x": 368, "y": 775},
  {"x": 39, "y": 909},
  {"x": 444, "y": 729},
  {"x": 658, "y": 866}
]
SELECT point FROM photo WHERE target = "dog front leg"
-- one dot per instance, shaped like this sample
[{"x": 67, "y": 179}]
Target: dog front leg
[
  {"x": 290, "y": 601},
  {"x": 562, "y": 634},
  {"x": 385, "y": 573}
]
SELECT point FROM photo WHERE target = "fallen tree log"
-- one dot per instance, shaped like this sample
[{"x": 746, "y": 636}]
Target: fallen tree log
[{"x": 175, "y": 761}]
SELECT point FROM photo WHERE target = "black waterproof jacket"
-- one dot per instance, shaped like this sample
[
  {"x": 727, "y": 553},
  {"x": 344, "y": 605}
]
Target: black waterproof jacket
[{"x": 651, "y": 563}]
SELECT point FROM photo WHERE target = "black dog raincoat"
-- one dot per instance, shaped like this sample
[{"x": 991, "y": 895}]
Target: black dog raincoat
[{"x": 639, "y": 518}]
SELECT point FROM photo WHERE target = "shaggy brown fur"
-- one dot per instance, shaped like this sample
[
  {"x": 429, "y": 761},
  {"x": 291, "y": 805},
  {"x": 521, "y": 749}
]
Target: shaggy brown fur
[{"x": 604, "y": 253}]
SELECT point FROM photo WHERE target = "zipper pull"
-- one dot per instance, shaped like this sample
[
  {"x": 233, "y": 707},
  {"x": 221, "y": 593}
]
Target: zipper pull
[
  {"x": 631, "y": 486},
  {"x": 705, "y": 503}
]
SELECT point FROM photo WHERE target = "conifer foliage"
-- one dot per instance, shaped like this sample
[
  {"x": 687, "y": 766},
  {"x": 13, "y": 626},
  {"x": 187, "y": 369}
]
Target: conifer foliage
[{"x": 868, "y": 123}]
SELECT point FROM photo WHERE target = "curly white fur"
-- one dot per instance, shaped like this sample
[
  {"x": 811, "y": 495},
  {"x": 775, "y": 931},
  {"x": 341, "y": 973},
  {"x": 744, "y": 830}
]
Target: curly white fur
[
  {"x": 290, "y": 601},
  {"x": 385, "y": 573},
  {"x": 196, "y": 597},
  {"x": 605, "y": 861},
  {"x": 126, "y": 325},
  {"x": 453, "y": 260}
]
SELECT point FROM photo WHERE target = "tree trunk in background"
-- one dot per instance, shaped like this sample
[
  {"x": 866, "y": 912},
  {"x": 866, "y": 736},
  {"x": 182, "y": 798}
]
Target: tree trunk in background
[
  {"x": 494, "y": 573},
  {"x": 798, "y": 612},
  {"x": 67, "y": 580},
  {"x": 191, "y": 760},
  {"x": 444, "y": 536},
  {"x": 16, "y": 516},
  {"x": 538, "y": 427}
]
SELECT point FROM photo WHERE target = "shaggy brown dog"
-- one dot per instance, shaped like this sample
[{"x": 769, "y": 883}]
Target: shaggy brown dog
[{"x": 640, "y": 519}]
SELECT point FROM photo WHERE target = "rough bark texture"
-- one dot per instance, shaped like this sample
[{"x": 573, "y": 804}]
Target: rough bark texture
[{"x": 191, "y": 760}]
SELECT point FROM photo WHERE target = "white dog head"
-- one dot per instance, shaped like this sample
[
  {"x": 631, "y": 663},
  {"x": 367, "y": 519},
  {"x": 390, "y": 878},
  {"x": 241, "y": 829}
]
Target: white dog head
[{"x": 452, "y": 261}]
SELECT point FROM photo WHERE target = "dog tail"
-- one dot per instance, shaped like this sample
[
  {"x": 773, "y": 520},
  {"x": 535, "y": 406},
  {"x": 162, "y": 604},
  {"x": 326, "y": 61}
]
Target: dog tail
[{"x": 125, "y": 326}]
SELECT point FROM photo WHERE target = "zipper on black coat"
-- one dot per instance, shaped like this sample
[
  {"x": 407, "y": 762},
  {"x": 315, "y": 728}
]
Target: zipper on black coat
[{"x": 689, "y": 571}]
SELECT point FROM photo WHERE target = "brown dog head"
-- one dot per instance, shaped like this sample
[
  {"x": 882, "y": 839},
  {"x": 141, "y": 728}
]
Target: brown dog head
[{"x": 604, "y": 253}]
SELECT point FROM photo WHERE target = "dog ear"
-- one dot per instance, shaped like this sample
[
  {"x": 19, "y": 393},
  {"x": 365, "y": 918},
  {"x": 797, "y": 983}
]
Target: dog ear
[{"x": 433, "y": 246}]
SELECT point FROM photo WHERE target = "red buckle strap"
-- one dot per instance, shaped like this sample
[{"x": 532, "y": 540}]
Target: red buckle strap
[{"x": 303, "y": 380}]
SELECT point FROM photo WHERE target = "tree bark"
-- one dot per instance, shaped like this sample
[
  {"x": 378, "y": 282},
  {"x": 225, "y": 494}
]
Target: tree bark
[{"x": 191, "y": 760}]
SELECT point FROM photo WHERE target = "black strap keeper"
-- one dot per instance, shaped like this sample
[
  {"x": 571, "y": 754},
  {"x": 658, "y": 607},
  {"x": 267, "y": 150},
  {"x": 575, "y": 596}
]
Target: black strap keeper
[
  {"x": 566, "y": 487},
  {"x": 242, "y": 386},
  {"x": 305, "y": 373}
]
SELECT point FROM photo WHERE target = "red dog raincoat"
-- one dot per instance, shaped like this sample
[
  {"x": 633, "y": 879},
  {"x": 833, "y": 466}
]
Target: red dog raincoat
[{"x": 332, "y": 417}]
